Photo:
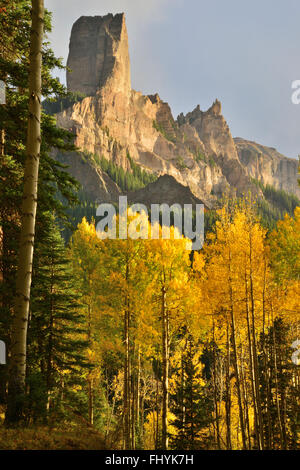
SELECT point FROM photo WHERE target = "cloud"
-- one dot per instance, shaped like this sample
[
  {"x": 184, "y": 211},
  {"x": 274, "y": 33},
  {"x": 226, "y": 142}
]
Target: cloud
[
  {"x": 66, "y": 12},
  {"x": 192, "y": 51}
]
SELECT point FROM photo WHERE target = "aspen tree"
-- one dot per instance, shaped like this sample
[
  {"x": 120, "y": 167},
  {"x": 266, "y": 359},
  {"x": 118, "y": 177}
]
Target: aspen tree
[{"x": 29, "y": 205}]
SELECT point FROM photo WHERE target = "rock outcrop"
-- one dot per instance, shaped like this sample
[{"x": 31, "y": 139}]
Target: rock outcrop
[
  {"x": 98, "y": 186},
  {"x": 98, "y": 54},
  {"x": 197, "y": 149},
  {"x": 219, "y": 145},
  {"x": 268, "y": 166},
  {"x": 165, "y": 190}
]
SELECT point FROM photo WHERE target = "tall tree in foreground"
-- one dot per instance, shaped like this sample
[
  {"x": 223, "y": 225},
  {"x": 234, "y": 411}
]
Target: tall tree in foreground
[
  {"x": 29, "y": 205},
  {"x": 234, "y": 286},
  {"x": 122, "y": 285},
  {"x": 191, "y": 405},
  {"x": 85, "y": 251},
  {"x": 56, "y": 186},
  {"x": 56, "y": 346},
  {"x": 169, "y": 265}
]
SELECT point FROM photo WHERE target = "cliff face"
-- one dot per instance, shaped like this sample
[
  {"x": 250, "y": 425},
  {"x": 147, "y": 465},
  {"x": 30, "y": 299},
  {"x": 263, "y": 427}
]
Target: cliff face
[
  {"x": 268, "y": 166},
  {"x": 97, "y": 185},
  {"x": 98, "y": 54},
  {"x": 197, "y": 149}
]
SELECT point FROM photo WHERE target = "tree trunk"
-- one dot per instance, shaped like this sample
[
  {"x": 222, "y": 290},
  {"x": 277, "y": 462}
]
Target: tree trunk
[
  {"x": 90, "y": 379},
  {"x": 126, "y": 404},
  {"x": 138, "y": 393},
  {"x": 50, "y": 358},
  {"x": 126, "y": 399},
  {"x": 91, "y": 400},
  {"x": 276, "y": 384},
  {"x": 228, "y": 391},
  {"x": 235, "y": 358},
  {"x": 255, "y": 357},
  {"x": 157, "y": 408},
  {"x": 251, "y": 367},
  {"x": 165, "y": 360},
  {"x": 215, "y": 392},
  {"x": 2, "y": 142},
  {"x": 245, "y": 397},
  {"x": 2, "y": 132},
  {"x": 237, "y": 381},
  {"x": 183, "y": 409},
  {"x": 133, "y": 404},
  {"x": 24, "y": 273},
  {"x": 266, "y": 371}
]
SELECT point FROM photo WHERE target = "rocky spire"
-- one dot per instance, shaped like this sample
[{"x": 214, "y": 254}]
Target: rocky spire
[
  {"x": 216, "y": 108},
  {"x": 98, "y": 54},
  {"x": 198, "y": 150}
]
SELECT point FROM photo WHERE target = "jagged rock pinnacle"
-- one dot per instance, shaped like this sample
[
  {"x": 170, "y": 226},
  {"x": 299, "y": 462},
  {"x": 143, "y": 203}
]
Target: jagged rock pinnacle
[
  {"x": 113, "y": 121},
  {"x": 216, "y": 108},
  {"x": 98, "y": 52}
]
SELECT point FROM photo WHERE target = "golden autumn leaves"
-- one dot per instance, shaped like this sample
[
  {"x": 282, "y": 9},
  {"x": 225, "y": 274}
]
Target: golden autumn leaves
[{"x": 141, "y": 294}]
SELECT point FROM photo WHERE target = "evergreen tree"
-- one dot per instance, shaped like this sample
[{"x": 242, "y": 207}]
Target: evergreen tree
[
  {"x": 56, "y": 342},
  {"x": 191, "y": 404},
  {"x": 18, "y": 356},
  {"x": 53, "y": 179},
  {"x": 279, "y": 388}
]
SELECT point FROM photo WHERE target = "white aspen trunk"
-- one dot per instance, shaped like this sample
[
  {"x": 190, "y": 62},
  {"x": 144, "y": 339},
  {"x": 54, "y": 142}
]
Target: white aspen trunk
[{"x": 28, "y": 216}]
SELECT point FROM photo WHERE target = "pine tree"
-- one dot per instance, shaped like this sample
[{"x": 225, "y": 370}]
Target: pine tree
[
  {"x": 56, "y": 329},
  {"x": 280, "y": 394},
  {"x": 28, "y": 217},
  {"x": 191, "y": 403},
  {"x": 14, "y": 71}
]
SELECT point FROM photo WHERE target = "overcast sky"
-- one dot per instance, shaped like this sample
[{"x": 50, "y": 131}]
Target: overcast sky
[{"x": 244, "y": 52}]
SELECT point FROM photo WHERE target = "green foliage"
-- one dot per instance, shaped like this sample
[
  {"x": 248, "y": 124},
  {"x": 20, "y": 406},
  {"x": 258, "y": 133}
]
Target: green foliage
[
  {"x": 158, "y": 127},
  {"x": 55, "y": 334},
  {"x": 285, "y": 202},
  {"x": 59, "y": 103},
  {"x": 200, "y": 157},
  {"x": 277, "y": 203},
  {"x": 210, "y": 218},
  {"x": 191, "y": 403},
  {"x": 162, "y": 131},
  {"x": 280, "y": 199},
  {"x": 211, "y": 161},
  {"x": 180, "y": 163},
  {"x": 142, "y": 176},
  {"x": 284, "y": 243},
  {"x": 277, "y": 341},
  {"x": 53, "y": 180},
  {"x": 86, "y": 207},
  {"x": 127, "y": 181},
  {"x": 13, "y": 118}
]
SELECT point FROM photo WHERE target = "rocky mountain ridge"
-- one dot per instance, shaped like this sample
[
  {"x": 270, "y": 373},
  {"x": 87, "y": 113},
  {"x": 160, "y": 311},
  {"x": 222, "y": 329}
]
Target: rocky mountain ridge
[
  {"x": 115, "y": 121},
  {"x": 269, "y": 166}
]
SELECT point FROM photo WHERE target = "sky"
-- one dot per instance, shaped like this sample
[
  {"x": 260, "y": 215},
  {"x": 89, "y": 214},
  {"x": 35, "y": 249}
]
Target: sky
[{"x": 246, "y": 53}]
